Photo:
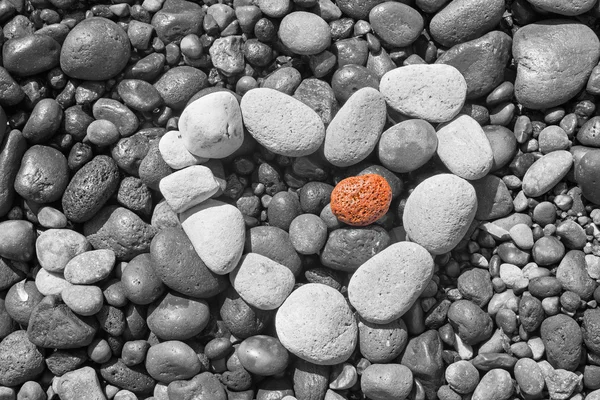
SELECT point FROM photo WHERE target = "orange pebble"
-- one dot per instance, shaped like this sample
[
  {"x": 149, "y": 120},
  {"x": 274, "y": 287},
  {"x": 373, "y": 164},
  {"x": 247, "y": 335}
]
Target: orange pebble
[{"x": 361, "y": 200}]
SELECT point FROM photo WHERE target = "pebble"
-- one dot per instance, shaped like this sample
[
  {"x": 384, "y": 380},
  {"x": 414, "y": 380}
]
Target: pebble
[
  {"x": 139, "y": 281},
  {"x": 56, "y": 247},
  {"x": 292, "y": 128},
  {"x": 43, "y": 175},
  {"x": 572, "y": 274},
  {"x": 439, "y": 212},
  {"x": 172, "y": 361},
  {"x": 240, "y": 318},
  {"x": 203, "y": 386},
  {"x": 563, "y": 341},
  {"x": 397, "y": 24},
  {"x": 546, "y": 172},
  {"x": 522, "y": 236},
  {"x": 44, "y": 121},
  {"x": 263, "y": 355},
  {"x": 585, "y": 175},
  {"x": 435, "y": 93},
  {"x": 177, "y": 317},
  {"x": 503, "y": 143},
  {"x": 559, "y": 7},
  {"x": 217, "y": 232},
  {"x": 118, "y": 114},
  {"x": 275, "y": 244},
  {"x": 179, "y": 84},
  {"x": 347, "y": 249},
  {"x": 553, "y": 138},
  {"x": 316, "y": 324},
  {"x": 548, "y": 250},
  {"x": 423, "y": 356},
  {"x": 83, "y": 299},
  {"x": 261, "y": 282},
  {"x": 355, "y": 130},
  {"x": 176, "y": 19},
  {"x": 304, "y": 33},
  {"x": 139, "y": 95},
  {"x": 407, "y": 146},
  {"x": 211, "y": 127},
  {"x": 561, "y": 384},
  {"x": 481, "y": 61},
  {"x": 17, "y": 240},
  {"x": 319, "y": 96},
  {"x": 50, "y": 283},
  {"x": 21, "y": 360},
  {"x": 462, "y": 377},
  {"x": 361, "y": 200},
  {"x": 95, "y": 49},
  {"x": 589, "y": 329},
  {"x": 120, "y": 230},
  {"x": 495, "y": 385},
  {"x": 382, "y": 343},
  {"x": 529, "y": 377},
  {"x": 188, "y": 187},
  {"x": 542, "y": 59},
  {"x": 308, "y": 234},
  {"x": 475, "y": 285},
  {"x": 398, "y": 274},
  {"x": 90, "y": 188},
  {"x": 227, "y": 55},
  {"x": 31, "y": 54},
  {"x": 135, "y": 378},
  {"x": 90, "y": 267},
  {"x": 175, "y": 154},
  {"x": 465, "y": 20},
  {"x": 470, "y": 322},
  {"x": 493, "y": 198},
  {"x": 385, "y": 381},
  {"x": 464, "y": 148}
]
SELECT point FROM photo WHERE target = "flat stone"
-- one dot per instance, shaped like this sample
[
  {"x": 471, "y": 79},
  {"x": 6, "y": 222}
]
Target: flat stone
[
  {"x": 546, "y": 172},
  {"x": 554, "y": 61},
  {"x": 90, "y": 267},
  {"x": 172, "y": 361},
  {"x": 188, "y": 187},
  {"x": 31, "y": 54},
  {"x": 304, "y": 33},
  {"x": 178, "y": 85},
  {"x": 397, "y": 24},
  {"x": 398, "y": 274},
  {"x": 348, "y": 248},
  {"x": 435, "y": 93}
]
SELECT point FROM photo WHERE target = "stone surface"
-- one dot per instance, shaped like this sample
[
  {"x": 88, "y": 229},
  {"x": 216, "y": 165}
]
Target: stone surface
[
  {"x": 172, "y": 361},
  {"x": 397, "y": 24},
  {"x": 71, "y": 385},
  {"x": 570, "y": 8},
  {"x": 407, "y": 145},
  {"x": 20, "y": 360},
  {"x": 563, "y": 341},
  {"x": 439, "y": 211},
  {"x": 304, "y": 33},
  {"x": 188, "y": 187},
  {"x": 546, "y": 172},
  {"x": 347, "y": 249},
  {"x": 554, "y": 61},
  {"x": 398, "y": 275},
  {"x": 435, "y": 93},
  {"x": 493, "y": 198},
  {"x": 56, "y": 247},
  {"x": 316, "y": 324}
]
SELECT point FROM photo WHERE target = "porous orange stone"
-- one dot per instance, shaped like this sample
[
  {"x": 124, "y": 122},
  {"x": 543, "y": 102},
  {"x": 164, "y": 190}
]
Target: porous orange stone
[{"x": 361, "y": 200}]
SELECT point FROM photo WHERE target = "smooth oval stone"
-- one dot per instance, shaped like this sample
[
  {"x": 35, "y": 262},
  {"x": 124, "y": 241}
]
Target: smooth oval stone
[
  {"x": 20, "y": 299},
  {"x": 71, "y": 385},
  {"x": 586, "y": 175},
  {"x": 83, "y": 299},
  {"x": 546, "y": 172},
  {"x": 179, "y": 266},
  {"x": 355, "y": 130},
  {"x": 117, "y": 113},
  {"x": 570, "y": 8},
  {"x": 554, "y": 61},
  {"x": 12, "y": 148},
  {"x": 172, "y": 361},
  {"x": 11, "y": 93},
  {"x": 17, "y": 240},
  {"x": 399, "y": 274},
  {"x": 120, "y": 230},
  {"x": 465, "y": 20},
  {"x": 504, "y": 145},
  {"x": 203, "y": 386},
  {"x": 188, "y": 187},
  {"x": 211, "y": 126},
  {"x": 423, "y": 356},
  {"x": 179, "y": 84},
  {"x": 240, "y": 318},
  {"x": 262, "y": 282},
  {"x": 139, "y": 281},
  {"x": 43, "y": 176},
  {"x": 319, "y": 96},
  {"x": 495, "y": 385},
  {"x": 357, "y": 9},
  {"x": 462, "y": 377},
  {"x": 396, "y": 24},
  {"x": 481, "y": 61},
  {"x": 347, "y": 249},
  {"x": 529, "y": 377},
  {"x": 464, "y": 148},
  {"x": 44, "y": 121},
  {"x": 281, "y": 123},
  {"x": 350, "y": 78},
  {"x": 90, "y": 267},
  {"x": 139, "y": 95},
  {"x": 470, "y": 322},
  {"x": 54, "y": 325},
  {"x": 95, "y": 49},
  {"x": 563, "y": 341},
  {"x": 178, "y": 317},
  {"x": 316, "y": 324},
  {"x": 56, "y": 247},
  {"x": 90, "y": 188},
  {"x": 475, "y": 285},
  {"x": 439, "y": 212},
  {"x": 572, "y": 274},
  {"x": 31, "y": 54},
  {"x": 21, "y": 360},
  {"x": 174, "y": 153},
  {"x": 493, "y": 198},
  {"x": 407, "y": 145},
  {"x": 217, "y": 232},
  {"x": 274, "y": 243},
  {"x": 545, "y": 286},
  {"x": 133, "y": 378},
  {"x": 571, "y": 234},
  {"x": 304, "y": 33},
  {"x": 263, "y": 355},
  {"x": 381, "y": 343},
  {"x": 435, "y": 93},
  {"x": 386, "y": 381},
  {"x": 50, "y": 283},
  {"x": 308, "y": 234}
]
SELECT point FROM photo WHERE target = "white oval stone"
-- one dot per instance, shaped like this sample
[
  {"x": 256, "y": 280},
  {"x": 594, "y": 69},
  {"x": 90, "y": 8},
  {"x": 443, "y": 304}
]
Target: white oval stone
[
  {"x": 510, "y": 274},
  {"x": 355, "y": 130},
  {"x": 262, "y": 282},
  {"x": 56, "y": 247},
  {"x": 83, "y": 299},
  {"x": 188, "y": 187},
  {"x": 464, "y": 148},
  {"x": 316, "y": 324},
  {"x": 546, "y": 172},
  {"x": 386, "y": 286},
  {"x": 439, "y": 212},
  {"x": 50, "y": 283},
  {"x": 173, "y": 151},
  {"x": 90, "y": 267},
  {"x": 217, "y": 232},
  {"x": 281, "y": 123},
  {"x": 435, "y": 92},
  {"x": 211, "y": 126}
]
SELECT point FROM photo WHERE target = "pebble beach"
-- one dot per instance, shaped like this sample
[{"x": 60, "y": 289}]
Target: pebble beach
[{"x": 299, "y": 200}]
